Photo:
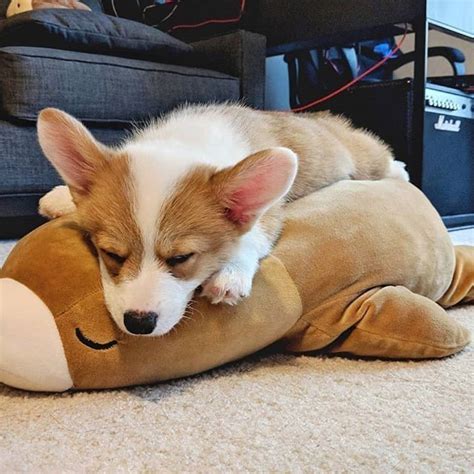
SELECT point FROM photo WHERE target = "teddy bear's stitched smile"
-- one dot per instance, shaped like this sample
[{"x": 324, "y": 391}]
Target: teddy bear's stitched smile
[{"x": 92, "y": 344}]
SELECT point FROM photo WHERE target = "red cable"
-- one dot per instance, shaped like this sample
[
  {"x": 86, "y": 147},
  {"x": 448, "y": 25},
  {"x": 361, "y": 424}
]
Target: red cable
[
  {"x": 208, "y": 22},
  {"x": 302, "y": 108}
]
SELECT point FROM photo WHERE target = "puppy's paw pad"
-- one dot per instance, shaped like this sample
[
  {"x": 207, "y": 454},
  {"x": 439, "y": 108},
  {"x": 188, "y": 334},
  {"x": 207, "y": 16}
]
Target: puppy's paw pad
[
  {"x": 58, "y": 202},
  {"x": 228, "y": 286}
]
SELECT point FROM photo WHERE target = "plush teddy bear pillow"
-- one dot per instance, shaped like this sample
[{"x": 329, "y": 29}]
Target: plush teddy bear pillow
[
  {"x": 20, "y": 6},
  {"x": 362, "y": 268}
]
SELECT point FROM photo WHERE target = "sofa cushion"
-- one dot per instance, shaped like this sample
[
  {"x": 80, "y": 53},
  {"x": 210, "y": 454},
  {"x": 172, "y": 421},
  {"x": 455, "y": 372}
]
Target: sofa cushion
[
  {"x": 23, "y": 167},
  {"x": 101, "y": 88},
  {"x": 77, "y": 30}
]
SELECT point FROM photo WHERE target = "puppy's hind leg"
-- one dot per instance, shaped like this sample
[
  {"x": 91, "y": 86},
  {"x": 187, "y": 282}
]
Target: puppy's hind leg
[{"x": 58, "y": 202}]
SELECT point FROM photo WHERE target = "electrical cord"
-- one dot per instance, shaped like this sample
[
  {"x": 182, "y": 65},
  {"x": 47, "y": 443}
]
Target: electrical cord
[
  {"x": 395, "y": 49},
  {"x": 212, "y": 21}
]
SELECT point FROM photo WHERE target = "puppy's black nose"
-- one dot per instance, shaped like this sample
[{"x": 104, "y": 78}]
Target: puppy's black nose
[{"x": 140, "y": 322}]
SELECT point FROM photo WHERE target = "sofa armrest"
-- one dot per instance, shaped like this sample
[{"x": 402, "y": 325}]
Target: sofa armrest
[{"x": 240, "y": 54}]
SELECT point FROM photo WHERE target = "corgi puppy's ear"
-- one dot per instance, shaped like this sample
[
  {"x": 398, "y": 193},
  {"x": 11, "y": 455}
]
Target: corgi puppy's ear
[
  {"x": 249, "y": 188},
  {"x": 71, "y": 149}
]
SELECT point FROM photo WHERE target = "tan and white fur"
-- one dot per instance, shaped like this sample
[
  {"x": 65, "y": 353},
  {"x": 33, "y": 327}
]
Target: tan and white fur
[{"x": 195, "y": 198}]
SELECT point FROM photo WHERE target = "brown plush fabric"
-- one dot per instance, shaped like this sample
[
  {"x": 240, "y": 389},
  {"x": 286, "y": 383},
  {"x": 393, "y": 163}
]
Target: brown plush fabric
[
  {"x": 358, "y": 269},
  {"x": 56, "y": 263}
]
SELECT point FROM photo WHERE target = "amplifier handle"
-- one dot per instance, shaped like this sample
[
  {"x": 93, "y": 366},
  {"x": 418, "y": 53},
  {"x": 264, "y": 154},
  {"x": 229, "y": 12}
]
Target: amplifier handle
[{"x": 455, "y": 57}]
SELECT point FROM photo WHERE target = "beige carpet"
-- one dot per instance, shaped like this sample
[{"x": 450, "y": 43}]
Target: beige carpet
[{"x": 265, "y": 414}]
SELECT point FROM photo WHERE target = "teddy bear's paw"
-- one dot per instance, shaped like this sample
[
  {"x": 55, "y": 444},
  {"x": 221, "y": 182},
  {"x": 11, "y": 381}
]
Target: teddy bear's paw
[
  {"x": 58, "y": 202},
  {"x": 228, "y": 286}
]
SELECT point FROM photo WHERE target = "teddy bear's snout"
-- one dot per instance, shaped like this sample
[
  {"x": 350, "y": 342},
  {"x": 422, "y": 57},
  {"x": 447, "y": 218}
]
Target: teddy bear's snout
[{"x": 31, "y": 353}]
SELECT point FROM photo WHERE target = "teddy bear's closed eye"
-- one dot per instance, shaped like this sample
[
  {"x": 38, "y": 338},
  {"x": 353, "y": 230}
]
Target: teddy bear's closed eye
[{"x": 92, "y": 344}]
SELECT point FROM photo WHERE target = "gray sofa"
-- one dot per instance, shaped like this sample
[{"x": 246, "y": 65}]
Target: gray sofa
[{"x": 108, "y": 90}]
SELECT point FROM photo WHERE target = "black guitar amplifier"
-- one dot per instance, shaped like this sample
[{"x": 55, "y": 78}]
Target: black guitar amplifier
[
  {"x": 448, "y": 161},
  {"x": 447, "y": 165}
]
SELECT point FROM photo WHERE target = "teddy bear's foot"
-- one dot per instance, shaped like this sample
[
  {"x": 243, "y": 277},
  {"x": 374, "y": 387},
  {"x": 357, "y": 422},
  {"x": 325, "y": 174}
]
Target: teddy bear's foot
[
  {"x": 461, "y": 289},
  {"x": 394, "y": 321}
]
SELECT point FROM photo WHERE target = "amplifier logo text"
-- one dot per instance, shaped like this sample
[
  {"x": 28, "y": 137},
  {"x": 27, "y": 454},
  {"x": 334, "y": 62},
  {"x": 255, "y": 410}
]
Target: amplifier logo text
[{"x": 447, "y": 125}]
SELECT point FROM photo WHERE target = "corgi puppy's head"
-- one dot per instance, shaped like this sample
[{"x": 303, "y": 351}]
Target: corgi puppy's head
[{"x": 162, "y": 224}]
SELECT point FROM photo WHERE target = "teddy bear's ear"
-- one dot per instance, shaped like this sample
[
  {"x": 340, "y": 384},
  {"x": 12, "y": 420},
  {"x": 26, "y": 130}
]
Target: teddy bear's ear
[
  {"x": 69, "y": 4},
  {"x": 79, "y": 5},
  {"x": 70, "y": 148},
  {"x": 18, "y": 6}
]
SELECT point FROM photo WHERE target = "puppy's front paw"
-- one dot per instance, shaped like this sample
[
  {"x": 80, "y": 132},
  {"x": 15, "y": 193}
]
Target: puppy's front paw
[
  {"x": 58, "y": 202},
  {"x": 228, "y": 285}
]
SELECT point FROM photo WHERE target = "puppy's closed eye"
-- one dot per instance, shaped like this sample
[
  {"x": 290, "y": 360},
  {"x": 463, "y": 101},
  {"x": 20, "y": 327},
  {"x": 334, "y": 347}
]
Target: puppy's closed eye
[
  {"x": 178, "y": 259},
  {"x": 114, "y": 256},
  {"x": 113, "y": 261}
]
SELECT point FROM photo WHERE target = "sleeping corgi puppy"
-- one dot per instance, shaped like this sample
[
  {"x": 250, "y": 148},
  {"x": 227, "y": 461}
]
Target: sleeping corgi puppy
[{"x": 196, "y": 199}]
